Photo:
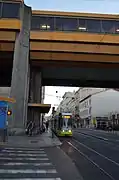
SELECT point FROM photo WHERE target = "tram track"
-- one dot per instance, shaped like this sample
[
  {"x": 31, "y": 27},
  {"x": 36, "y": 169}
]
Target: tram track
[
  {"x": 107, "y": 140},
  {"x": 102, "y": 167}
]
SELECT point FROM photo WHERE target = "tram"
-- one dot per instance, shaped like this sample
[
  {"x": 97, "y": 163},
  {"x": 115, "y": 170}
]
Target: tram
[{"x": 62, "y": 124}]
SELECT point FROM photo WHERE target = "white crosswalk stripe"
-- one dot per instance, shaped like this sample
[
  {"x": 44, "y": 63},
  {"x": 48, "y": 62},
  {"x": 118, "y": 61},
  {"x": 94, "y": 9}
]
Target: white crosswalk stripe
[
  {"x": 36, "y": 179},
  {"x": 30, "y": 155},
  {"x": 13, "y": 151},
  {"x": 26, "y": 164}
]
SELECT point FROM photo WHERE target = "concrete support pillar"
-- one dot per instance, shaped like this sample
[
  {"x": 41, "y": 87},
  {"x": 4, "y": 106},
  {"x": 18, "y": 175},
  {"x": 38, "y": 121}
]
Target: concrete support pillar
[
  {"x": 20, "y": 72},
  {"x": 35, "y": 95}
]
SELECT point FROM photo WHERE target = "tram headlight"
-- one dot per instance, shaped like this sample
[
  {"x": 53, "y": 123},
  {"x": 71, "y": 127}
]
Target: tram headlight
[{"x": 70, "y": 131}]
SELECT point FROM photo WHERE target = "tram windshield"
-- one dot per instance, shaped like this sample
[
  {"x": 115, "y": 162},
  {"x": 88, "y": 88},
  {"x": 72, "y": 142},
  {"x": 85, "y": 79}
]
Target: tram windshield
[{"x": 67, "y": 121}]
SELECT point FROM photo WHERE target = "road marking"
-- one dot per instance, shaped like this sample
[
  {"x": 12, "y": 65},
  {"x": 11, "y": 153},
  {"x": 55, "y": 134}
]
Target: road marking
[
  {"x": 13, "y": 151},
  {"x": 97, "y": 153},
  {"x": 36, "y": 179},
  {"x": 28, "y": 171},
  {"x": 86, "y": 157},
  {"x": 19, "y": 158},
  {"x": 105, "y": 139},
  {"x": 24, "y": 164},
  {"x": 30, "y": 155}
]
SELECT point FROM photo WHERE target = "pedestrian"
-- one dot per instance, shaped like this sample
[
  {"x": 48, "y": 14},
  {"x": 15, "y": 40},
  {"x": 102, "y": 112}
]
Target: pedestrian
[
  {"x": 29, "y": 128},
  {"x": 47, "y": 125}
]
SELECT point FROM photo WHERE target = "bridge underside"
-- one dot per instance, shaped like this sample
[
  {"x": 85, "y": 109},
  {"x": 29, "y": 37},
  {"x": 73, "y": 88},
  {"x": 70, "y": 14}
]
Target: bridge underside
[{"x": 58, "y": 73}]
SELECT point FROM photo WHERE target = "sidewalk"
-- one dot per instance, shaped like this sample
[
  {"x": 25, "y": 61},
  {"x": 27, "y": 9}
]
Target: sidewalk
[
  {"x": 42, "y": 140},
  {"x": 37, "y": 157}
]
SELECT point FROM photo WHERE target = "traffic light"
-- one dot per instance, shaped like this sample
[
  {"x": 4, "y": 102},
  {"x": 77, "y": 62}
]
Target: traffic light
[{"x": 9, "y": 112}]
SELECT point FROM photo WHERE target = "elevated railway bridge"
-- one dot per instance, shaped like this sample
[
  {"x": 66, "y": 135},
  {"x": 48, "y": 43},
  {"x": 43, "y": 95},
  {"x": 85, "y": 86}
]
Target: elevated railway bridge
[{"x": 47, "y": 48}]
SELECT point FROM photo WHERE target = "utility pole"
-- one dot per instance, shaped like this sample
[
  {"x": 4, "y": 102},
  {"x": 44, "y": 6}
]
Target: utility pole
[{"x": 53, "y": 111}]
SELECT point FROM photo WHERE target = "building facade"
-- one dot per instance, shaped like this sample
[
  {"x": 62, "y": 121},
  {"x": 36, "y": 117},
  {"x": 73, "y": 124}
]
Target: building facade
[
  {"x": 85, "y": 106},
  {"x": 64, "y": 105},
  {"x": 76, "y": 102},
  {"x": 100, "y": 105}
]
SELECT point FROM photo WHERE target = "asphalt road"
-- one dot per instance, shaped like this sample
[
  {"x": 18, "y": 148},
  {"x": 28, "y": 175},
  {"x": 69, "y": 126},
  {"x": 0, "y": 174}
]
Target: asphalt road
[{"x": 95, "y": 153}]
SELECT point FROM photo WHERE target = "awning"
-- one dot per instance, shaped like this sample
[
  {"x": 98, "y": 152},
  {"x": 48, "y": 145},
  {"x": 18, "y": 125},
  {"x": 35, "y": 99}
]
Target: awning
[
  {"x": 42, "y": 108},
  {"x": 7, "y": 99}
]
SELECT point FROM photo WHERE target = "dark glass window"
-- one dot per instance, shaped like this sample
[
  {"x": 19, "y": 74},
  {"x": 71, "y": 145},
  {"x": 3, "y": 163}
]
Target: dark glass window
[
  {"x": 0, "y": 9},
  {"x": 11, "y": 10},
  {"x": 108, "y": 26},
  {"x": 66, "y": 24},
  {"x": 82, "y": 25},
  {"x": 42, "y": 23},
  {"x": 93, "y": 25},
  {"x": 116, "y": 25}
]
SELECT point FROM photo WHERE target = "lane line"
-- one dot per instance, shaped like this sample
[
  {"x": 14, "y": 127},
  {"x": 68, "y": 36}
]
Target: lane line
[
  {"x": 27, "y": 171},
  {"x": 86, "y": 157},
  {"x": 105, "y": 157}
]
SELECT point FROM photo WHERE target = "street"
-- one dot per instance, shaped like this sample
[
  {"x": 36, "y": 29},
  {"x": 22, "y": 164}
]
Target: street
[{"x": 95, "y": 153}]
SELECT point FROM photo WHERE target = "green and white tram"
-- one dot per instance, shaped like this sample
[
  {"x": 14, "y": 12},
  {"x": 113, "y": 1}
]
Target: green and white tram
[{"x": 62, "y": 124}]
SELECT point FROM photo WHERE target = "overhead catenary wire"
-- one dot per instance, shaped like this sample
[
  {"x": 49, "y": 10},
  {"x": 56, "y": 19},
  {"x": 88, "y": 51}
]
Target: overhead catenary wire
[{"x": 53, "y": 95}]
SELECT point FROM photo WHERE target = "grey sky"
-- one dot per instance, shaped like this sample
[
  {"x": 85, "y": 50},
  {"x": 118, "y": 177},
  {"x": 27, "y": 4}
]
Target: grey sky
[
  {"x": 99, "y": 6},
  {"x": 96, "y": 6}
]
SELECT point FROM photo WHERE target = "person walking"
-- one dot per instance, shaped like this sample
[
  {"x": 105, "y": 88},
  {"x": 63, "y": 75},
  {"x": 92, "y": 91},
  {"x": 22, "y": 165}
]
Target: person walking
[{"x": 47, "y": 125}]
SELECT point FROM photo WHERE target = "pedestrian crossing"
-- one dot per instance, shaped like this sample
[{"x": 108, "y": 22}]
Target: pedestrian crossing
[{"x": 26, "y": 164}]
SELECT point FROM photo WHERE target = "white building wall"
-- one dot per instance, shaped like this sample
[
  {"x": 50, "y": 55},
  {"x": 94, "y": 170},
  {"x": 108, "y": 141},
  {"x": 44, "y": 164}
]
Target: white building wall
[
  {"x": 64, "y": 105},
  {"x": 84, "y": 108},
  {"x": 105, "y": 103}
]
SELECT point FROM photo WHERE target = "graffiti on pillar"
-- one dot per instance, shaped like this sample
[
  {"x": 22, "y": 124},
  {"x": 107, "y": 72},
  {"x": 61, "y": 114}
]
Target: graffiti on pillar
[
  {"x": 3, "y": 115},
  {"x": 3, "y": 111}
]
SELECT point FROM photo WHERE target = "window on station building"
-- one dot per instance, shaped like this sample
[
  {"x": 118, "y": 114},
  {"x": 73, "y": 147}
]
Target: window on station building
[
  {"x": 82, "y": 25},
  {"x": 108, "y": 26},
  {"x": 0, "y": 9},
  {"x": 66, "y": 24},
  {"x": 11, "y": 10},
  {"x": 93, "y": 25},
  {"x": 116, "y": 24},
  {"x": 42, "y": 23}
]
